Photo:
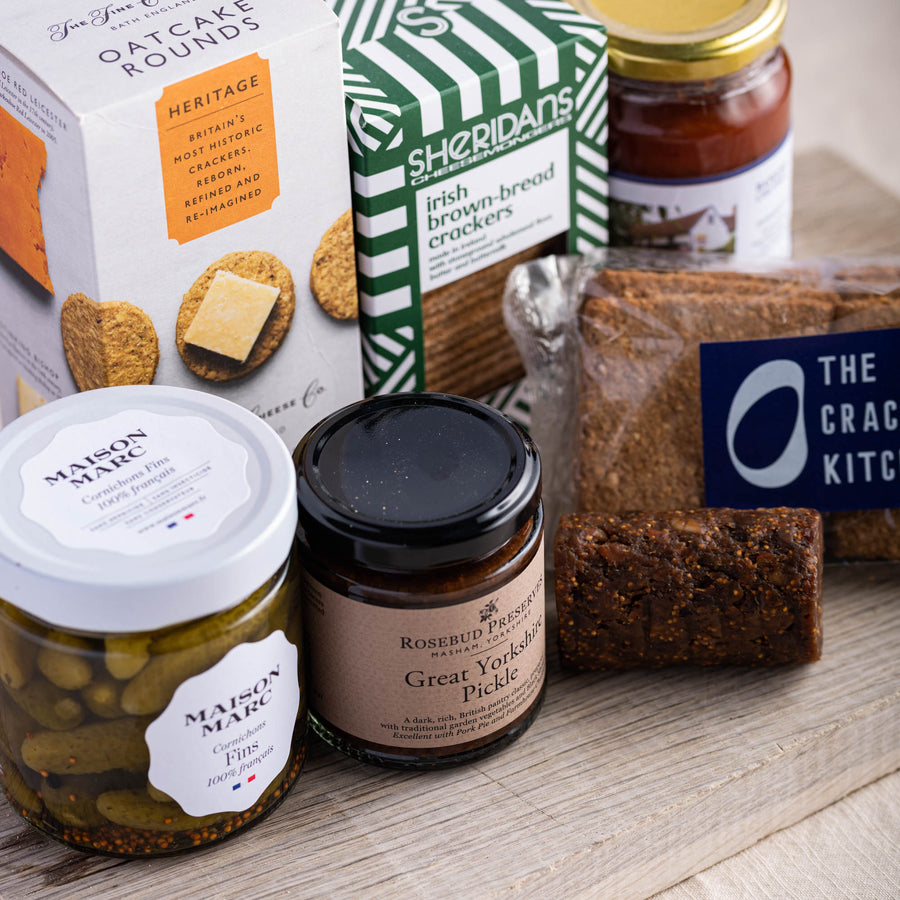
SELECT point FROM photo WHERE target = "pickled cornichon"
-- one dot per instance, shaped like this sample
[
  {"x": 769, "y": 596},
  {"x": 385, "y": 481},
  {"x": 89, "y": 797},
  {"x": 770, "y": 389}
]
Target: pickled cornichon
[{"x": 157, "y": 702}]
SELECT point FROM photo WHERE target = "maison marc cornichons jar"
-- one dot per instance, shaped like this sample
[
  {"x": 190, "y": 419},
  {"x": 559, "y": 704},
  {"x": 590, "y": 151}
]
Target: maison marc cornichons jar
[
  {"x": 152, "y": 695},
  {"x": 700, "y": 149},
  {"x": 421, "y": 534}
]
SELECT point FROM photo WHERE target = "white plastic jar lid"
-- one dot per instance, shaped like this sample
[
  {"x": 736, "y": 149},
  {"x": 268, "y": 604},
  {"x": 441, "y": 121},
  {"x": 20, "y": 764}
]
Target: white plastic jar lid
[{"x": 134, "y": 508}]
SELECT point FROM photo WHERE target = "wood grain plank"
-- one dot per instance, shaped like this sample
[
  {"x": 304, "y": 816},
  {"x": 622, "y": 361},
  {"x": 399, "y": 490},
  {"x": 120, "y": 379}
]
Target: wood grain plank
[{"x": 839, "y": 210}]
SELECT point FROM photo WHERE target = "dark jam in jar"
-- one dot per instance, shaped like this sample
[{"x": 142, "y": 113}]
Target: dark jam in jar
[
  {"x": 421, "y": 535},
  {"x": 700, "y": 149}
]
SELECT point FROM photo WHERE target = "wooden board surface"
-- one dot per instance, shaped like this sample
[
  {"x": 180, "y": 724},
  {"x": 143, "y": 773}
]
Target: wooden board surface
[
  {"x": 837, "y": 209},
  {"x": 626, "y": 783}
]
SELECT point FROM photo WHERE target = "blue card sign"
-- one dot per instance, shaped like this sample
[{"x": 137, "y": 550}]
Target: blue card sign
[{"x": 812, "y": 421}]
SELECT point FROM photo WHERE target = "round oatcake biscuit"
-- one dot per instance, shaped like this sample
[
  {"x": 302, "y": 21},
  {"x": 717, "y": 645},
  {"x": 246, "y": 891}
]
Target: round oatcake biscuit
[
  {"x": 332, "y": 278},
  {"x": 107, "y": 343},
  {"x": 254, "y": 265}
]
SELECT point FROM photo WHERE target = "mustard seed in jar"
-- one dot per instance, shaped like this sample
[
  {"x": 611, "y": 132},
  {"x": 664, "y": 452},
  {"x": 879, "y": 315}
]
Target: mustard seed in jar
[
  {"x": 152, "y": 692},
  {"x": 421, "y": 535}
]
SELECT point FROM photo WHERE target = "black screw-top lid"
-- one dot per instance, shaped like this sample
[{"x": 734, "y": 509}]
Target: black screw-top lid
[{"x": 410, "y": 482}]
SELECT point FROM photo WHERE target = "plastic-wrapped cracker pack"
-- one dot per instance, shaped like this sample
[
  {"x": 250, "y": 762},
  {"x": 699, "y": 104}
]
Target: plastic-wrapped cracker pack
[{"x": 673, "y": 381}]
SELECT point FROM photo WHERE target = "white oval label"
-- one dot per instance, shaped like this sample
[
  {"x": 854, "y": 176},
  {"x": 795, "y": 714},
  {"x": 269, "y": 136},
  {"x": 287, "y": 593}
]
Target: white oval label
[
  {"x": 764, "y": 379},
  {"x": 226, "y": 734}
]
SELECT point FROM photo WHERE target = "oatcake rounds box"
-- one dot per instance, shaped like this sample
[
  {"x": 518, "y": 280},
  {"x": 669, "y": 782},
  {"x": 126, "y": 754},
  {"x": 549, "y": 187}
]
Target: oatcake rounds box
[
  {"x": 170, "y": 177},
  {"x": 477, "y": 133}
]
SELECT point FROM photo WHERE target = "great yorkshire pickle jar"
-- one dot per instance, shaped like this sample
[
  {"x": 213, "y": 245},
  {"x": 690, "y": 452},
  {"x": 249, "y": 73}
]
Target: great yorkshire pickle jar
[
  {"x": 700, "y": 149},
  {"x": 152, "y": 693},
  {"x": 421, "y": 534}
]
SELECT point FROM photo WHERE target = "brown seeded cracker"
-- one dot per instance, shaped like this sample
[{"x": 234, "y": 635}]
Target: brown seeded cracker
[
  {"x": 862, "y": 312},
  {"x": 468, "y": 349},
  {"x": 630, "y": 283},
  {"x": 332, "y": 277},
  {"x": 253, "y": 265},
  {"x": 108, "y": 343},
  {"x": 640, "y": 413}
]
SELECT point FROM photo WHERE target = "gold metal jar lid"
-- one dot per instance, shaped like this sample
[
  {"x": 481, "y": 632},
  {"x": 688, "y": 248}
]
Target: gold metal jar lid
[{"x": 686, "y": 40}]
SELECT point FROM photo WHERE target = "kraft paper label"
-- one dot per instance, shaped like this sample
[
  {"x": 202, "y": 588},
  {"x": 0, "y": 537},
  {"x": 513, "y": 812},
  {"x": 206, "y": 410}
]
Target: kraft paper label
[
  {"x": 431, "y": 677},
  {"x": 217, "y": 148}
]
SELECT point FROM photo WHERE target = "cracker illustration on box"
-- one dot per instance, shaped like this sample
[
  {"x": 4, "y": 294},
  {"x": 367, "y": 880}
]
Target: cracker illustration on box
[
  {"x": 234, "y": 156},
  {"x": 23, "y": 162},
  {"x": 27, "y": 396},
  {"x": 235, "y": 315},
  {"x": 108, "y": 343},
  {"x": 332, "y": 278}
]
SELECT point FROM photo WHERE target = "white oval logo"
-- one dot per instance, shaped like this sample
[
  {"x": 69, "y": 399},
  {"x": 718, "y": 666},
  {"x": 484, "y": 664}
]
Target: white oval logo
[{"x": 764, "y": 379}]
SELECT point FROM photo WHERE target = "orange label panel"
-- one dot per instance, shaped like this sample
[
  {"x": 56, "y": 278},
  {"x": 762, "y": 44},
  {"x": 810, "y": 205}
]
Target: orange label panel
[
  {"x": 217, "y": 148},
  {"x": 23, "y": 162}
]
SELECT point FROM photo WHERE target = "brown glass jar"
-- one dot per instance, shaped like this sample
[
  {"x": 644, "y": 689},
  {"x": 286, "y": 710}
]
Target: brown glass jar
[
  {"x": 421, "y": 535},
  {"x": 700, "y": 149}
]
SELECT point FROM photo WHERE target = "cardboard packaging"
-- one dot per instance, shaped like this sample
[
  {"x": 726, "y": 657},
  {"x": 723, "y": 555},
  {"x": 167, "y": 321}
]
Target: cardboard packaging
[
  {"x": 477, "y": 132},
  {"x": 174, "y": 202}
]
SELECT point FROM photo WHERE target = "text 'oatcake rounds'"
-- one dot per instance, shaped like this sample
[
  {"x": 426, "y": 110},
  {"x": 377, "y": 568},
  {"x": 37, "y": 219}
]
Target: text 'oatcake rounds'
[
  {"x": 254, "y": 266},
  {"x": 108, "y": 343}
]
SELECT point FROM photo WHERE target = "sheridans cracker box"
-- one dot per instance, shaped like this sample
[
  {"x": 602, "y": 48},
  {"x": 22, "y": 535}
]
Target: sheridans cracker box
[
  {"x": 175, "y": 204},
  {"x": 477, "y": 133}
]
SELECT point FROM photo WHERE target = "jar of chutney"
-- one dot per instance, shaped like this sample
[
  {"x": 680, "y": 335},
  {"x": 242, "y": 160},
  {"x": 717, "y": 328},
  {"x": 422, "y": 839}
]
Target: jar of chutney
[
  {"x": 421, "y": 536},
  {"x": 700, "y": 149},
  {"x": 152, "y": 693}
]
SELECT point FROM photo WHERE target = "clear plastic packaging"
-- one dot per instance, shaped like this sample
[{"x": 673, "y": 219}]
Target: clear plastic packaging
[{"x": 611, "y": 344}]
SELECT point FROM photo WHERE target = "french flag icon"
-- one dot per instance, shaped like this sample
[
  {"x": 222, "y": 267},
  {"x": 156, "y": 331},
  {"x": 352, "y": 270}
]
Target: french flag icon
[{"x": 184, "y": 519}]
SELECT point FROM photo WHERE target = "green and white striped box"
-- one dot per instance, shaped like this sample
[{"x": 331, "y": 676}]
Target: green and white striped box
[{"x": 477, "y": 129}]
